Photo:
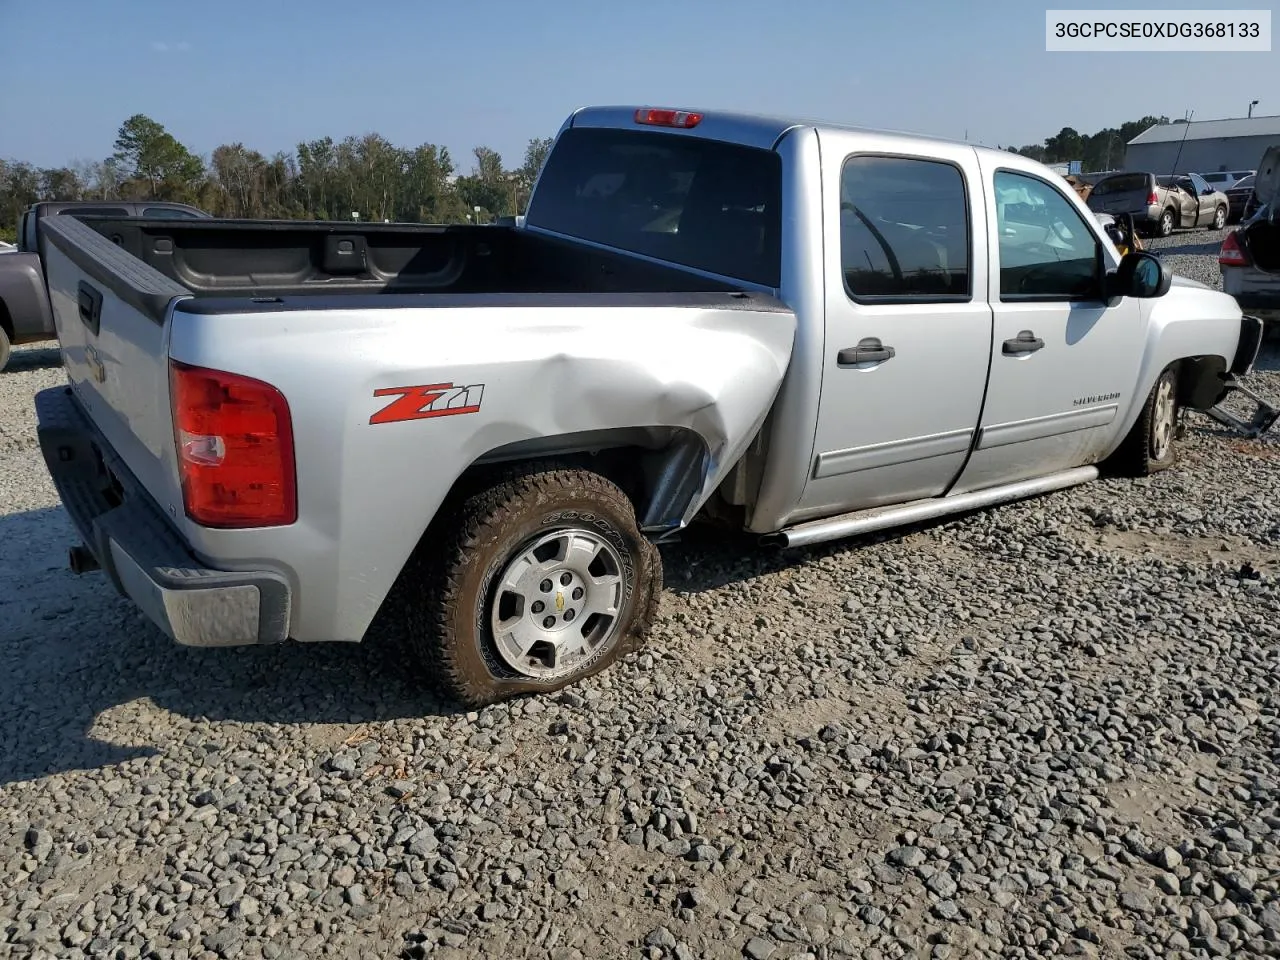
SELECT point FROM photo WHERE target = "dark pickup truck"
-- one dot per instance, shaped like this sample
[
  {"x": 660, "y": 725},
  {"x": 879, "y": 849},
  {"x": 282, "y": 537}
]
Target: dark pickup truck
[{"x": 25, "y": 314}]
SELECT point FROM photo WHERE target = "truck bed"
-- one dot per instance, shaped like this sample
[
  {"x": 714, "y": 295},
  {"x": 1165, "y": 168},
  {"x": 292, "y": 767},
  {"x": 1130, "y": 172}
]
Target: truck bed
[{"x": 263, "y": 259}]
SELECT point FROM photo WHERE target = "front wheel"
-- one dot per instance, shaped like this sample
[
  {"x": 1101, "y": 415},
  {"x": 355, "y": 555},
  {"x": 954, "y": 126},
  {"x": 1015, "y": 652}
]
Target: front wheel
[
  {"x": 1149, "y": 446},
  {"x": 1220, "y": 218},
  {"x": 541, "y": 580}
]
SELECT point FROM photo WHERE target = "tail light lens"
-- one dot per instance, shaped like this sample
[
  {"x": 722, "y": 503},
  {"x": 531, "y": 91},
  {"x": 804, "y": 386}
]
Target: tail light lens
[
  {"x": 658, "y": 117},
  {"x": 1231, "y": 254},
  {"x": 1152, "y": 199},
  {"x": 235, "y": 448}
]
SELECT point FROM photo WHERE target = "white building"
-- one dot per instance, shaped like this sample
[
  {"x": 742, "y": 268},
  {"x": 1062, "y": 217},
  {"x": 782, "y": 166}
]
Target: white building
[{"x": 1202, "y": 146}]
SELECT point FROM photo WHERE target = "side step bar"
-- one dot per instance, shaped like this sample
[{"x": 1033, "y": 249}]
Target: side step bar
[
  {"x": 1264, "y": 416},
  {"x": 882, "y": 518}
]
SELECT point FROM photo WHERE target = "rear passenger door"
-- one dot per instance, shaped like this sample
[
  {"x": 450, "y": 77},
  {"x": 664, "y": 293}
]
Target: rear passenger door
[
  {"x": 908, "y": 326},
  {"x": 1064, "y": 360}
]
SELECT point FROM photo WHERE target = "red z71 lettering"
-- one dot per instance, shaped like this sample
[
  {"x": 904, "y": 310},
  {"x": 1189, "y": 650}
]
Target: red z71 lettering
[{"x": 428, "y": 400}]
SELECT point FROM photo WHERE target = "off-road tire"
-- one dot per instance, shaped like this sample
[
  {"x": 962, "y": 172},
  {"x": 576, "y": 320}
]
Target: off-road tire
[
  {"x": 5, "y": 349},
  {"x": 483, "y": 531},
  {"x": 1141, "y": 453}
]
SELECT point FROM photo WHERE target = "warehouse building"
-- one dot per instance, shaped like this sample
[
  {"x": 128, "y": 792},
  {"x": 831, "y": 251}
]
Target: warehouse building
[{"x": 1210, "y": 145}]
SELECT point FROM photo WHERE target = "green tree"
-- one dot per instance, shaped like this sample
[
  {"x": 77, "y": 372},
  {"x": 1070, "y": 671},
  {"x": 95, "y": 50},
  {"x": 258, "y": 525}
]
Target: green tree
[
  {"x": 154, "y": 164},
  {"x": 535, "y": 155},
  {"x": 60, "y": 183}
]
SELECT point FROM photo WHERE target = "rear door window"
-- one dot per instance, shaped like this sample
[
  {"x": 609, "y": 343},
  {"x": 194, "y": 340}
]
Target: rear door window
[
  {"x": 1121, "y": 184},
  {"x": 904, "y": 229},
  {"x": 703, "y": 204}
]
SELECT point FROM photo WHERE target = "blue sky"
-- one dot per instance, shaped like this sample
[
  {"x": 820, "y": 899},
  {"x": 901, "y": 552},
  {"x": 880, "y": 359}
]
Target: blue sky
[{"x": 271, "y": 73}]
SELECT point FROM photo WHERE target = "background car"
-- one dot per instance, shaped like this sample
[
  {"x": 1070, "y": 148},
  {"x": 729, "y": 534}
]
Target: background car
[
  {"x": 1242, "y": 200},
  {"x": 1249, "y": 258},
  {"x": 1161, "y": 204},
  {"x": 1225, "y": 179}
]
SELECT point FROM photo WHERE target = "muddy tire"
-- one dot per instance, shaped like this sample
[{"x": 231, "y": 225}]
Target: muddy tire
[
  {"x": 535, "y": 582},
  {"x": 1149, "y": 447}
]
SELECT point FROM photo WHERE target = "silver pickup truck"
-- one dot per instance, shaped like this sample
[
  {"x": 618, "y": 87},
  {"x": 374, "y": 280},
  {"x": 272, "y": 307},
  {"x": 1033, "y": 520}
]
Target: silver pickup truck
[{"x": 801, "y": 331}]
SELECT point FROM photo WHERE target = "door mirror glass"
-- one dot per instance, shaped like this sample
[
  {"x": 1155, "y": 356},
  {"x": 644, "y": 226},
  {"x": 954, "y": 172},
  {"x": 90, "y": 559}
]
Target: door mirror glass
[{"x": 1142, "y": 274}]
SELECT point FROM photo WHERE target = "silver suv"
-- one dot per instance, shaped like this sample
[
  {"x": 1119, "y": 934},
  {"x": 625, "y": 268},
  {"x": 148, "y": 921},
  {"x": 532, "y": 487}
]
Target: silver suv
[{"x": 1161, "y": 204}]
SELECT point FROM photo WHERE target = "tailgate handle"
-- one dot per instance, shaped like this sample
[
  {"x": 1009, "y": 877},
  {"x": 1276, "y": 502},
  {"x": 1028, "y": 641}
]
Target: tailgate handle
[{"x": 90, "y": 300}]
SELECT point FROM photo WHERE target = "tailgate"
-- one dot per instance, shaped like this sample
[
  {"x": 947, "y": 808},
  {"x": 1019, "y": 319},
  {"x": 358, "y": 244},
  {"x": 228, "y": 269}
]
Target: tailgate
[{"x": 110, "y": 312}]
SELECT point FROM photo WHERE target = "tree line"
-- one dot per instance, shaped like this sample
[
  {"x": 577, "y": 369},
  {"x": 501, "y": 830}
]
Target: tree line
[
  {"x": 329, "y": 179},
  {"x": 323, "y": 179},
  {"x": 1103, "y": 150}
]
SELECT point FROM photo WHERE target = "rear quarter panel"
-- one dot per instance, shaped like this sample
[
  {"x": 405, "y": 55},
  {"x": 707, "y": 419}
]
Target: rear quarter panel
[{"x": 368, "y": 491}]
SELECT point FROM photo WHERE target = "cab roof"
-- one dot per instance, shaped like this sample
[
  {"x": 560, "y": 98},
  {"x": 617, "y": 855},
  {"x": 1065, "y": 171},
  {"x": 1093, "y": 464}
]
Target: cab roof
[{"x": 749, "y": 129}]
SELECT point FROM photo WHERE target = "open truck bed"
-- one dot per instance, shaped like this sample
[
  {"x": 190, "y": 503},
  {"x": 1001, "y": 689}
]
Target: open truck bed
[{"x": 279, "y": 259}]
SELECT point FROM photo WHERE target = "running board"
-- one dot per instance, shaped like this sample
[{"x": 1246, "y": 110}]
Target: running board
[{"x": 882, "y": 518}]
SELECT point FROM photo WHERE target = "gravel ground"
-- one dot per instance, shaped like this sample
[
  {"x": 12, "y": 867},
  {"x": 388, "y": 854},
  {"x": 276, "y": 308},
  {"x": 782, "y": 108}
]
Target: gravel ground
[{"x": 1047, "y": 729}]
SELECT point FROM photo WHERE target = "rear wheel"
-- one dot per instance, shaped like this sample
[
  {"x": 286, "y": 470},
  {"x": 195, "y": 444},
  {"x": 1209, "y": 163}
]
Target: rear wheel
[
  {"x": 1165, "y": 227},
  {"x": 541, "y": 580},
  {"x": 1149, "y": 447},
  {"x": 6, "y": 349},
  {"x": 1220, "y": 218}
]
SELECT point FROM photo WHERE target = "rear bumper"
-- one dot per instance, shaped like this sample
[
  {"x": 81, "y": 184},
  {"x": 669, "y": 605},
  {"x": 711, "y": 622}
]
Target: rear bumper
[{"x": 145, "y": 558}]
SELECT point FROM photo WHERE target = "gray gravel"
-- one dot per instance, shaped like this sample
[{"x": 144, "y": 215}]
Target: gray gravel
[{"x": 1048, "y": 729}]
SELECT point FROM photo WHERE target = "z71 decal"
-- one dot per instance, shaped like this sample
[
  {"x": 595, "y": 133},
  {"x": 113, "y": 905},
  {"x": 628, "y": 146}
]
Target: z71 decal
[{"x": 429, "y": 400}]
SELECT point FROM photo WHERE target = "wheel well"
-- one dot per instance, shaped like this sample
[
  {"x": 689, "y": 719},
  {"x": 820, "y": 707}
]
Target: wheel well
[
  {"x": 1201, "y": 381},
  {"x": 660, "y": 469}
]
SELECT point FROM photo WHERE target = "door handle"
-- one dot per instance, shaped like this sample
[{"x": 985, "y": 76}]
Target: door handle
[
  {"x": 868, "y": 350},
  {"x": 89, "y": 301},
  {"x": 1024, "y": 342}
]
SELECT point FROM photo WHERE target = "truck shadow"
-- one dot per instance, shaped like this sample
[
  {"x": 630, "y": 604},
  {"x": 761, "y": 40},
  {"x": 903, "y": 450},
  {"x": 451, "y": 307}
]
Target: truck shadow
[
  {"x": 76, "y": 659},
  {"x": 32, "y": 358}
]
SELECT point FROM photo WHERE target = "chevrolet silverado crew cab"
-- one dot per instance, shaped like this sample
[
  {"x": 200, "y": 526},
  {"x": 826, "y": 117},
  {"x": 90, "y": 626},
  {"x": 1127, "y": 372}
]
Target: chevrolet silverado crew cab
[{"x": 273, "y": 430}]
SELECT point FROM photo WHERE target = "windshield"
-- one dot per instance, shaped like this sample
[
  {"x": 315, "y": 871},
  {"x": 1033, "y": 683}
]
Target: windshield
[{"x": 702, "y": 204}]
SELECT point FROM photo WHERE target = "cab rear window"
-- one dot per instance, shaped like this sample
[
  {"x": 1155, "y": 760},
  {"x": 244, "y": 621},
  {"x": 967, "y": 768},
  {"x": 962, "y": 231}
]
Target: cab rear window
[{"x": 699, "y": 203}]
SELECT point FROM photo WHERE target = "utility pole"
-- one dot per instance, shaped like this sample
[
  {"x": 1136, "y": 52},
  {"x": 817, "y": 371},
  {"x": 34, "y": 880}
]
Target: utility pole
[{"x": 1252, "y": 104}]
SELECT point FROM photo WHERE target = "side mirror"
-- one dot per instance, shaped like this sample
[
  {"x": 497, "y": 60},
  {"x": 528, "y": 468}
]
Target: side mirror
[{"x": 1141, "y": 274}]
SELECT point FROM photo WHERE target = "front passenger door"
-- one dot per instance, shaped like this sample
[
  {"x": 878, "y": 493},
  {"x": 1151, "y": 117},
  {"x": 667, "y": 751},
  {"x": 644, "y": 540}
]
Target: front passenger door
[{"x": 1063, "y": 361}]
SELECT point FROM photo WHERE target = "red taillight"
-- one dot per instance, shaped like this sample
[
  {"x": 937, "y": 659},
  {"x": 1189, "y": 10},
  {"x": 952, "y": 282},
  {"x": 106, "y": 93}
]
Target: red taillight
[
  {"x": 1231, "y": 254},
  {"x": 1152, "y": 199},
  {"x": 668, "y": 118},
  {"x": 235, "y": 448}
]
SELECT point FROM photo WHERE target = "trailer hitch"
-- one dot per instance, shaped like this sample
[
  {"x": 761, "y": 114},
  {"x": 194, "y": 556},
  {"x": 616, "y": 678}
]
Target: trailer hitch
[{"x": 1264, "y": 415}]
